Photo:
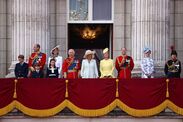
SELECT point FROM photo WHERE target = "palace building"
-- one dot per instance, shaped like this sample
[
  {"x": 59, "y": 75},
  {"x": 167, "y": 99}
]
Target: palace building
[{"x": 91, "y": 24}]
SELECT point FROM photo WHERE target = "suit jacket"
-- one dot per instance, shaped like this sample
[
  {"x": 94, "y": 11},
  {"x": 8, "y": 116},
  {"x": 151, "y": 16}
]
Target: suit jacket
[{"x": 21, "y": 70}]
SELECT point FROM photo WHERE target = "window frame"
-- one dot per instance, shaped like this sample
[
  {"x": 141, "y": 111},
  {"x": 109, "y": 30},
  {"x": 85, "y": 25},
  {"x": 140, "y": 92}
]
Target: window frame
[{"x": 90, "y": 14}]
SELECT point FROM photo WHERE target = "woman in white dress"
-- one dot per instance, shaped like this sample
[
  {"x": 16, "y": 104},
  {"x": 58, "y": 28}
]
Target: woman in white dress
[
  {"x": 89, "y": 66},
  {"x": 58, "y": 59},
  {"x": 147, "y": 64}
]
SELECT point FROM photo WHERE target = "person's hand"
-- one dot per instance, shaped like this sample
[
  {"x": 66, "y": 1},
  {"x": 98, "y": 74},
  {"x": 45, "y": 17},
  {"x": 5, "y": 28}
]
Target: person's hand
[
  {"x": 123, "y": 61},
  {"x": 32, "y": 69}
]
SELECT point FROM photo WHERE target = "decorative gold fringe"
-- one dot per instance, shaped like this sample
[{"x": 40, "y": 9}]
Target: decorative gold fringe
[
  {"x": 117, "y": 92},
  {"x": 91, "y": 112},
  {"x": 7, "y": 109},
  {"x": 175, "y": 108},
  {"x": 66, "y": 92},
  {"x": 15, "y": 89},
  {"x": 144, "y": 112},
  {"x": 167, "y": 89},
  {"x": 40, "y": 113}
]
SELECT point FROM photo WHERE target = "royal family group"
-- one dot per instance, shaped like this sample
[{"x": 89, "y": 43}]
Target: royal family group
[{"x": 72, "y": 68}]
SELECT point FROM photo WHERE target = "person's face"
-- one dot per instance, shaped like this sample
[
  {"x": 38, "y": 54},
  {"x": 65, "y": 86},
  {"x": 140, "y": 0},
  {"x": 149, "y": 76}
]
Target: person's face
[
  {"x": 52, "y": 63},
  {"x": 89, "y": 57},
  {"x": 71, "y": 53},
  {"x": 174, "y": 57},
  {"x": 37, "y": 67},
  {"x": 106, "y": 55},
  {"x": 35, "y": 48},
  {"x": 148, "y": 54},
  {"x": 20, "y": 60},
  {"x": 123, "y": 51},
  {"x": 55, "y": 51}
]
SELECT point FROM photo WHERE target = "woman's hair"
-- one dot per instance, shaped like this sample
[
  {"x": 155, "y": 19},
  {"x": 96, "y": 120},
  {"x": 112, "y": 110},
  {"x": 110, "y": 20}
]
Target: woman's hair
[
  {"x": 54, "y": 50},
  {"x": 51, "y": 61}
]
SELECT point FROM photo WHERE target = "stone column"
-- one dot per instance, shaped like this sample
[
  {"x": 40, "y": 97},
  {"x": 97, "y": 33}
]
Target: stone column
[
  {"x": 61, "y": 26},
  {"x": 3, "y": 37},
  {"x": 150, "y": 27},
  {"x": 30, "y": 25}
]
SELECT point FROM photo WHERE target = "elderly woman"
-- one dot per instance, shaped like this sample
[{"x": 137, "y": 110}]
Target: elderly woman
[
  {"x": 58, "y": 59},
  {"x": 106, "y": 65},
  {"x": 147, "y": 64},
  {"x": 89, "y": 66}
]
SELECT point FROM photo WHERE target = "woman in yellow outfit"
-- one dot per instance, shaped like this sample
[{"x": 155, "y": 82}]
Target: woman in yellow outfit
[{"x": 106, "y": 65}]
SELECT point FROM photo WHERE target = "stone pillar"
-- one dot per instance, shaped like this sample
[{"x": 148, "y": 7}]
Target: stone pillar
[
  {"x": 150, "y": 27},
  {"x": 3, "y": 37},
  {"x": 61, "y": 26},
  {"x": 178, "y": 29},
  {"x": 30, "y": 25},
  {"x": 52, "y": 26}
]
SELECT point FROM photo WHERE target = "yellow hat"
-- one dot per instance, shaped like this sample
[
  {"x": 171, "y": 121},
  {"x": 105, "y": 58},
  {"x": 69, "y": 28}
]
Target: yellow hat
[{"x": 105, "y": 50}]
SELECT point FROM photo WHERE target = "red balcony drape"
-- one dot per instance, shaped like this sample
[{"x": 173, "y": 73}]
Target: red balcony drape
[{"x": 91, "y": 97}]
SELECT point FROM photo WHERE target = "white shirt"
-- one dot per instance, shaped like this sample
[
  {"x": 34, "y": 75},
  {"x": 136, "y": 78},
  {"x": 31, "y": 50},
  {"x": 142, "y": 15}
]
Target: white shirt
[
  {"x": 58, "y": 63},
  {"x": 89, "y": 69},
  {"x": 147, "y": 66}
]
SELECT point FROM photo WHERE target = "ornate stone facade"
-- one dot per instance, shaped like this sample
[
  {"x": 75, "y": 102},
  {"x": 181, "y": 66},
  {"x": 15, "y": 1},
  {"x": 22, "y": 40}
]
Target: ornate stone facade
[{"x": 137, "y": 23}]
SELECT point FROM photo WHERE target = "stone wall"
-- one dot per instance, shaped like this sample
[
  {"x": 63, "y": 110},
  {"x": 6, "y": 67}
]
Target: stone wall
[
  {"x": 178, "y": 25},
  {"x": 3, "y": 37},
  {"x": 58, "y": 25},
  {"x": 56, "y": 28},
  {"x": 61, "y": 26},
  {"x": 176, "y": 28}
]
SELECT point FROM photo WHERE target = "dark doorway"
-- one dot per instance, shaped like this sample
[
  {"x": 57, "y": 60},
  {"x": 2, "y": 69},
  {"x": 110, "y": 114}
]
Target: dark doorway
[{"x": 90, "y": 36}]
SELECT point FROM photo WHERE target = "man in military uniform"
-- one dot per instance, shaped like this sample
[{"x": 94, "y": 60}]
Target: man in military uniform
[
  {"x": 36, "y": 57},
  {"x": 173, "y": 66},
  {"x": 71, "y": 66},
  {"x": 124, "y": 65},
  {"x": 21, "y": 68}
]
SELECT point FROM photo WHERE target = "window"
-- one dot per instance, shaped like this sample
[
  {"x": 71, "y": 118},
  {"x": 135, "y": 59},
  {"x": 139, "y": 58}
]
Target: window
[
  {"x": 90, "y": 11},
  {"x": 102, "y": 9},
  {"x": 78, "y": 10}
]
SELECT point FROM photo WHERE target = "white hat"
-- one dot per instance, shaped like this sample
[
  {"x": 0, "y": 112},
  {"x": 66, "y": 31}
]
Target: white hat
[
  {"x": 57, "y": 47},
  {"x": 105, "y": 50},
  {"x": 88, "y": 52},
  {"x": 146, "y": 50}
]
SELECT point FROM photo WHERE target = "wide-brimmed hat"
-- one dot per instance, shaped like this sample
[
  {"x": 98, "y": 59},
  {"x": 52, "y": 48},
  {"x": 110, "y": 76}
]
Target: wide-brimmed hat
[
  {"x": 146, "y": 50},
  {"x": 89, "y": 52},
  {"x": 105, "y": 50},
  {"x": 57, "y": 47}
]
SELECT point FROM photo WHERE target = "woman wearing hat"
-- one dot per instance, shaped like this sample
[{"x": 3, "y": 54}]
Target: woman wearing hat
[
  {"x": 173, "y": 66},
  {"x": 147, "y": 64},
  {"x": 89, "y": 66},
  {"x": 58, "y": 59},
  {"x": 106, "y": 65}
]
